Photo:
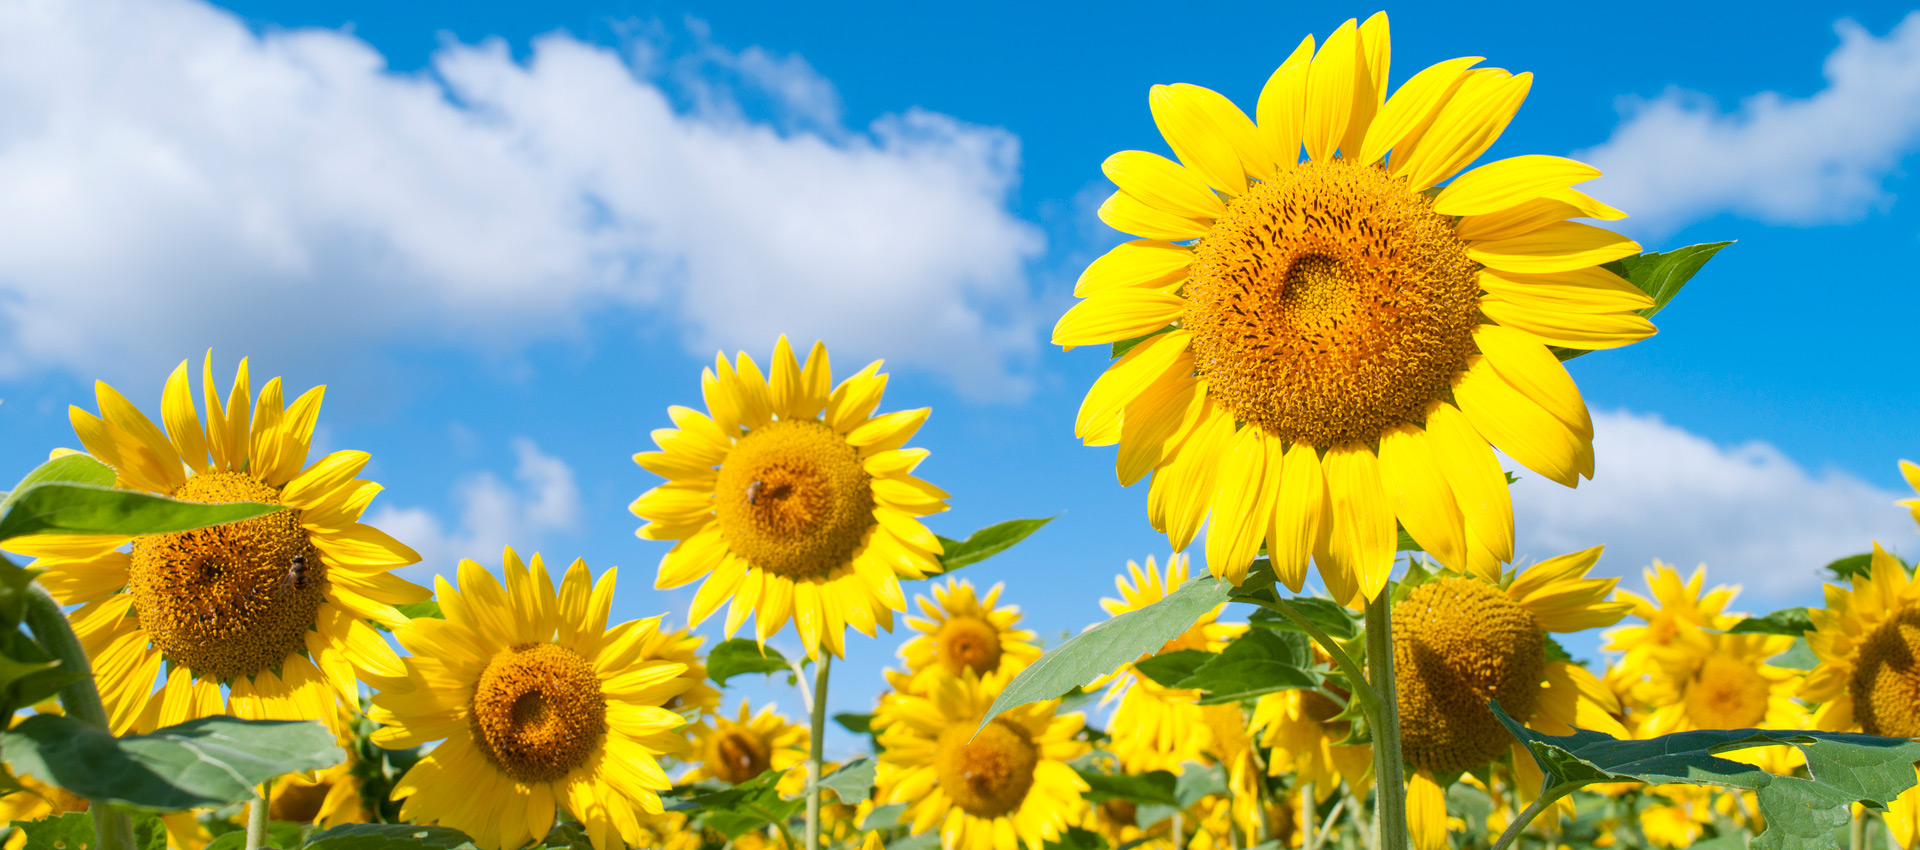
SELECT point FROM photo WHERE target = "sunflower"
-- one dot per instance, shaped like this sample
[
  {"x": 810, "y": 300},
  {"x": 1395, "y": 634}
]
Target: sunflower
[
  {"x": 273, "y": 608},
  {"x": 1303, "y": 730},
  {"x": 540, "y": 705},
  {"x": 1673, "y": 610},
  {"x": 1911, "y": 471},
  {"x": 1459, "y": 641},
  {"x": 1323, "y": 345},
  {"x": 1008, "y": 784},
  {"x": 965, "y": 632},
  {"x": 683, "y": 647},
  {"x": 792, "y": 499},
  {"x": 1156, "y": 727},
  {"x": 734, "y": 751},
  {"x": 1715, "y": 680}
]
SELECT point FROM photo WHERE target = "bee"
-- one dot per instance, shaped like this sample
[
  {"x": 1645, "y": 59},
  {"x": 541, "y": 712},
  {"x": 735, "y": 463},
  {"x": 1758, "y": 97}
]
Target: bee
[
  {"x": 753, "y": 492},
  {"x": 296, "y": 577}
]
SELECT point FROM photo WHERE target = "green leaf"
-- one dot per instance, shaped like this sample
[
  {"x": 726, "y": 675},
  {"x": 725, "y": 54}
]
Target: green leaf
[
  {"x": 71, "y": 831},
  {"x": 1556, "y": 652},
  {"x": 852, "y": 782},
  {"x": 388, "y": 836},
  {"x": 1258, "y": 662},
  {"x": 883, "y": 817},
  {"x": 858, "y": 724},
  {"x": 1169, "y": 668},
  {"x": 1076, "y": 838},
  {"x": 70, "y": 469},
  {"x": 1662, "y": 275},
  {"x": 1154, "y": 788},
  {"x": 1799, "y": 657},
  {"x": 986, "y": 542},
  {"x": 744, "y": 807},
  {"x": 14, "y": 583},
  {"x": 1857, "y": 565},
  {"x": 1786, "y": 621},
  {"x": 426, "y": 609},
  {"x": 739, "y": 656},
  {"x": 212, "y": 761},
  {"x": 1801, "y": 814},
  {"x": 1111, "y": 644},
  {"x": 1332, "y": 617},
  {"x": 61, "y": 508},
  {"x": 1121, "y": 348},
  {"x": 1406, "y": 543},
  {"x": 929, "y": 840},
  {"x": 28, "y": 673}
]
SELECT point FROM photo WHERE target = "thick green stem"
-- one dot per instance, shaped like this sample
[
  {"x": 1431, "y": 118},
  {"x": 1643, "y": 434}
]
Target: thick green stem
[
  {"x": 1369, "y": 698},
  {"x": 816, "y": 760},
  {"x": 1390, "y": 785},
  {"x": 80, "y": 699},
  {"x": 257, "y": 821}
]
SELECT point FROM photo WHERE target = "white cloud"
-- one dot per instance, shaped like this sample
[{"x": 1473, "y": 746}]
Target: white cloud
[
  {"x": 493, "y": 514},
  {"x": 1749, "y": 512},
  {"x": 1679, "y": 158},
  {"x": 176, "y": 180}
]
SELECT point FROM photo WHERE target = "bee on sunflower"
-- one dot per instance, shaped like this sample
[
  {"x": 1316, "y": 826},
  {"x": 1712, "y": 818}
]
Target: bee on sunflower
[
  {"x": 1323, "y": 347},
  {"x": 792, "y": 500},
  {"x": 263, "y": 618}
]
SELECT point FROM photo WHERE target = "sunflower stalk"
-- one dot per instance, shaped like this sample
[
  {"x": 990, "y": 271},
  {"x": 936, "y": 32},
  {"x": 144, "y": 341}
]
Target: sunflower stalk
[
  {"x": 80, "y": 699},
  {"x": 1540, "y": 804},
  {"x": 816, "y": 749},
  {"x": 1390, "y": 786},
  {"x": 257, "y": 820}
]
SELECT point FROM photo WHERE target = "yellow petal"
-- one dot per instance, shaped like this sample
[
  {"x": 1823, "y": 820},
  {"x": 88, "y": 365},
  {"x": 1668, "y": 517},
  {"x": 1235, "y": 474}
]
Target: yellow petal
[
  {"x": 785, "y": 390},
  {"x": 1588, "y": 290},
  {"x": 1163, "y": 184},
  {"x": 363, "y": 545},
  {"x": 1413, "y": 106},
  {"x": 313, "y": 487},
  {"x": 1369, "y": 81},
  {"x": 1144, "y": 263},
  {"x": 1474, "y": 474},
  {"x": 1569, "y": 329},
  {"x": 296, "y": 437},
  {"x": 1465, "y": 127},
  {"x": 1535, "y": 372},
  {"x": 1257, "y": 158},
  {"x": 816, "y": 381},
  {"x": 1281, "y": 113},
  {"x": 1423, "y": 499},
  {"x": 1241, "y": 506},
  {"x": 888, "y": 432},
  {"x": 1098, "y": 423},
  {"x": 1426, "y": 812},
  {"x": 1117, "y": 314},
  {"x": 855, "y": 398},
  {"x": 750, "y": 386},
  {"x": 1297, "y": 516},
  {"x": 1363, "y": 535},
  {"x": 1128, "y": 214},
  {"x": 1505, "y": 183},
  {"x": 1519, "y": 427},
  {"x": 189, "y": 437},
  {"x": 1330, "y": 92},
  {"x": 1154, "y": 422},
  {"x": 1199, "y": 143},
  {"x": 1557, "y": 205},
  {"x": 1559, "y": 247}
]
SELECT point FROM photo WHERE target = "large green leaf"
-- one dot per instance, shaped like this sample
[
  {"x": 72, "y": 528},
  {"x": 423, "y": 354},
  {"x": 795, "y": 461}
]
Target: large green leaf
[
  {"x": 852, "y": 782},
  {"x": 63, "y": 508},
  {"x": 1111, "y": 644},
  {"x": 1153, "y": 788},
  {"x": 986, "y": 542},
  {"x": 1786, "y": 621},
  {"x": 389, "y": 836},
  {"x": 1167, "y": 669},
  {"x": 1258, "y": 662},
  {"x": 70, "y": 469},
  {"x": 212, "y": 761},
  {"x": 747, "y": 806},
  {"x": 739, "y": 657},
  {"x": 74, "y": 831},
  {"x": 1801, "y": 814},
  {"x": 1332, "y": 617}
]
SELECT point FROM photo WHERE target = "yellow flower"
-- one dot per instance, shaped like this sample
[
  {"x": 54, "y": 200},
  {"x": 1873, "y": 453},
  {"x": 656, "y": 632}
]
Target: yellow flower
[
  {"x": 1327, "y": 348},
  {"x": 274, "y": 608},
  {"x": 327, "y": 798},
  {"x": 965, "y": 632},
  {"x": 1677, "y": 608},
  {"x": 683, "y": 647},
  {"x": 1912, "y": 472},
  {"x": 734, "y": 751},
  {"x": 1300, "y": 728},
  {"x": 792, "y": 499},
  {"x": 541, "y": 706},
  {"x": 1007, "y": 785},
  {"x": 1156, "y": 727},
  {"x": 1712, "y": 680},
  {"x": 1459, "y": 641}
]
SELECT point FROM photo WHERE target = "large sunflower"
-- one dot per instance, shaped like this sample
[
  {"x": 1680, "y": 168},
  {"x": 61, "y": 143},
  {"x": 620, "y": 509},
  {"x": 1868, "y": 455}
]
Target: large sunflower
[
  {"x": 963, "y": 631},
  {"x": 541, "y": 708},
  {"x": 1321, "y": 346},
  {"x": 792, "y": 499},
  {"x": 1007, "y": 785},
  {"x": 274, "y": 608},
  {"x": 1156, "y": 727},
  {"x": 1459, "y": 641}
]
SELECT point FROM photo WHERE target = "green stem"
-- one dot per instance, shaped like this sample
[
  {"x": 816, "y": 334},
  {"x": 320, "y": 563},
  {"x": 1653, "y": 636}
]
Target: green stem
[
  {"x": 816, "y": 761},
  {"x": 1547, "y": 798},
  {"x": 257, "y": 820},
  {"x": 1307, "y": 811},
  {"x": 1369, "y": 698},
  {"x": 1857, "y": 835},
  {"x": 1389, "y": 774},
  {"x": 80, "y": 699}
]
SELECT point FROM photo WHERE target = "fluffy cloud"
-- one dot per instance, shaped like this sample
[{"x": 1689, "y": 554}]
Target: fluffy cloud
[
  {"x": 1679, "y": 158},
  {"x": 493, "y": 514},
  {"x": 175, "y": 180},
  {"x": 1749, "y": 512}
]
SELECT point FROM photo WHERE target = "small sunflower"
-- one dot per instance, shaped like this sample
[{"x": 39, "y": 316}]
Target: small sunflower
[
  {"x": 965, "y": 632},
  {"x": 1325, "y": 345},
  {"x": 1715, "y": 680},
  {"x": 792, "y": 499},
  {"x": 1009, "y": 784},
  {"x": 734, "y": 751},
  {"x": 1672, "y": 610},
  {"x": 540, "y": 705},
  {"x": 1156, "y": 727},
  {"x": 273, "y": 608},
  {"x": 1459, "y": 641},
  {"x": 1303, "y": 733}
]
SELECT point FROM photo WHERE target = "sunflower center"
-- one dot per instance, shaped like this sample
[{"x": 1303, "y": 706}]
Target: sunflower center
[
  {"x": 1330, "y": 303},
  {"x": 300, "y": 802},
  {"x": 1457, "y": 643},
  {"x": 989, "y": 776},
  {"x": 967, "y": 643},
  {"x": 538, "y": 712},
  {"x": 231, "y": 600},
  {"x": 1727, "y": 694},
  {"x": 738, "y": 756},
  {"x": 1886, "y": 677},
  {"x": 793, "y": 499}
]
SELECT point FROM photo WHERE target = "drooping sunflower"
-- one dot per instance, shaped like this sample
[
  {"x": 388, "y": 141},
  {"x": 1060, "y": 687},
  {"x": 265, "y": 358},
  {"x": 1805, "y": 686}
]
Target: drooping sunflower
[
  {"x": 1673, "y": 610},
  {"x": 1156, "y": 727},
  {"x": 734, "y": 751},
  {"x": 1321, "y": 345},
  {"x": 274, "y": 608},
  {"x": 327, "y": 798},
  {"x": 541, "y": 707},
  {"x": 792, "y": 499},
  {"x": 965, "y": 632},
  {"x": 1459, "y": 641},
  {"x": 1005, "y": 786}
]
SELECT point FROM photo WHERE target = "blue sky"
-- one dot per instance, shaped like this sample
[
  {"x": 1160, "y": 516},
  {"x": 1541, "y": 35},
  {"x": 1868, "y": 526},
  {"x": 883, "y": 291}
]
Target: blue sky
[{"x": 507, "y": 236}]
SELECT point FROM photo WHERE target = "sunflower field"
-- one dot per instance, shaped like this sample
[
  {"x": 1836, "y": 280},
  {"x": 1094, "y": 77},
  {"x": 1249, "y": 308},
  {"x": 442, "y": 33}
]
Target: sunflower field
[{"x": 1335, "y": 342}]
